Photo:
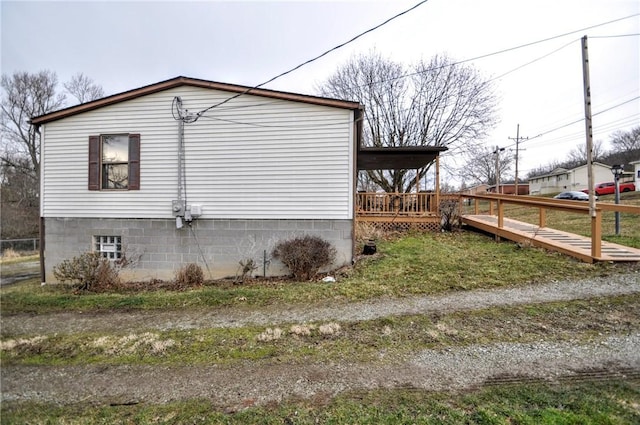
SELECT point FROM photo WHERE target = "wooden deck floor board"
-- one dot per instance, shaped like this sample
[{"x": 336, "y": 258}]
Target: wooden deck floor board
[{"x": 568, "y": 243}]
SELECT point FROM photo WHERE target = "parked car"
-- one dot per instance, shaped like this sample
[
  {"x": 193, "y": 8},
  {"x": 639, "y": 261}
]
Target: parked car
[
  {"x": 573, "y": 195},
  {"x": 610, "y": 187}
]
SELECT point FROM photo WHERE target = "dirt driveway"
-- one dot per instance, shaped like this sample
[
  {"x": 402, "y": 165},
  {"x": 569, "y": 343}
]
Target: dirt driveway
[{"x": 249, "y": 384}]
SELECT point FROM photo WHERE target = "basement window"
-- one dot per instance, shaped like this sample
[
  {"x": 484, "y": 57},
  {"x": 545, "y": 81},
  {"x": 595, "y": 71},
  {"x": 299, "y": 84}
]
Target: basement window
[{"x": 109, "y": 247}]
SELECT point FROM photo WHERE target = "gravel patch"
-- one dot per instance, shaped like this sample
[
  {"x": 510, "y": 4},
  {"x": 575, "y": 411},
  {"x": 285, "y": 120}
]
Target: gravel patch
[{"x": 352, "y": 312}]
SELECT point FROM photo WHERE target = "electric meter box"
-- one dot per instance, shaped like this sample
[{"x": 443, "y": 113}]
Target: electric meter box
[{"x": 196, "y": 210}]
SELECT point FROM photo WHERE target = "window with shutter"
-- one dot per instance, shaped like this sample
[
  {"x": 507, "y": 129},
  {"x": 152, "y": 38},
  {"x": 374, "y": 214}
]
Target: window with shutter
[{"x": 114, "y": 162}]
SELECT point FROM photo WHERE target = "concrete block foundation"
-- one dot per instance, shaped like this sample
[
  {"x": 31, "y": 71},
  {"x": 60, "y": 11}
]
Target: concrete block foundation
[{"x": 217, "y": 245}]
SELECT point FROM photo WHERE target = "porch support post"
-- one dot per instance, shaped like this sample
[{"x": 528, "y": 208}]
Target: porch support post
[
  {"x": 596, "y": 235},
  {"x": 437, "y": 206},
  {"x": 542, "y": 221}
]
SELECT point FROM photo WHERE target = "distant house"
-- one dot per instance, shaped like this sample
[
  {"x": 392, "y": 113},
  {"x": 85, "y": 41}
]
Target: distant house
[
  {"x": 480, "y": 189},
  {"x": 141, "y": 173},
  {"x": 562, "y": 179},
  {"x": 510, "y": 189}
]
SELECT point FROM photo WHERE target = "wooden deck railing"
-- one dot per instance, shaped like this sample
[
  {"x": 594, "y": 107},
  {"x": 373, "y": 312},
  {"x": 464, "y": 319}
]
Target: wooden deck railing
[
  {"x": 396, "y": 204},
  {"x": 544, "y": 204}
]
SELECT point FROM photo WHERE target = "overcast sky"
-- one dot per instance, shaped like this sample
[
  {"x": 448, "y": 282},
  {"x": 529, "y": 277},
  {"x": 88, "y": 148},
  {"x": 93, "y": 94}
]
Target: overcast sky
[{"x": 125, "y": 45}]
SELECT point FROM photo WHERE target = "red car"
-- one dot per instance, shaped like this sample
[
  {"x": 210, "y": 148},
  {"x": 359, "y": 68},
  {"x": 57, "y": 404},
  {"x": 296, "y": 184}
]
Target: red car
[{"x": 609, "y": 188}]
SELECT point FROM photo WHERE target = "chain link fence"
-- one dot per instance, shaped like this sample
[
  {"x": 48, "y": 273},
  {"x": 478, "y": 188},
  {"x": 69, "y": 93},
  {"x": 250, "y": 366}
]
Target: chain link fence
[{"x": 18, "y": 245}]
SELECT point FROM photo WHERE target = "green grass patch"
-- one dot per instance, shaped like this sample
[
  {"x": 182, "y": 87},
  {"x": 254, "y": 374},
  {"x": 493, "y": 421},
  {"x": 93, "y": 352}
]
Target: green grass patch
[
  {"x": 587, "y": 403},
  {"x": 415, "y": 264},
  {"x": 429, "y": 264},
  {"x": 389, "y": 339}
]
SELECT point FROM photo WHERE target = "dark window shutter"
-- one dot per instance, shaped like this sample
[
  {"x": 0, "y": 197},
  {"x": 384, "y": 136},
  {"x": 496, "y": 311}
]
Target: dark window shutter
[
  {"x": 134, "y": 162},
  {"x": 94, "y": 162}
]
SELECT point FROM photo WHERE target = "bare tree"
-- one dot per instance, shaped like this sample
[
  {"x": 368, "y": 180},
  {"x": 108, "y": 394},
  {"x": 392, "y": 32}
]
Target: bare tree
[
  {"x": 25, "y": 96},
  {"x": 83, "y": 88},
  {"x": 626, "y": 141},
  {"x": 438, "y": 103},
  {"x": 480, "y": 166},
  {"x": 578, "y": 155},
  {"x": 18, "y": 200}
]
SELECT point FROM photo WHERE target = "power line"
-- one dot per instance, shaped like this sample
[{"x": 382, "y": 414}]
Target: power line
[
  {"x": 422, "y": 71},
  {"x": 549, "y": 38},
  {"x": 535, "y": 60},
  {"x": 403, "y": 110},
  {"x": 510, "y": 49},
  {"x": 577, "y": 117},
  {"x": 615, "y": 106},
  {"x": 313, "y": 59},
  {"x": 582, "y": 119},
  {"x": 616, "y": 36},
  {"x": 599, "y": 130}
]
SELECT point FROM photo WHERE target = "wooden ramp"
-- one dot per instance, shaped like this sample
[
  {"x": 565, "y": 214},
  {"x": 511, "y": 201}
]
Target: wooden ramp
[{"x": 555, "y": 240}]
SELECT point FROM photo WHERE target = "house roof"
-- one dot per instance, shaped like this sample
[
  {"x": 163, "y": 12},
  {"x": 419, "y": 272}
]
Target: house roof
[
  {"x": 559, "y": 171},
  {"x": 397, "y": 158},
  {"x": 194, "y": 82}
]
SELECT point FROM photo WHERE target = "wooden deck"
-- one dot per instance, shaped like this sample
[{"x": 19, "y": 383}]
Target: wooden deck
[{"x": 555, "y": 240}]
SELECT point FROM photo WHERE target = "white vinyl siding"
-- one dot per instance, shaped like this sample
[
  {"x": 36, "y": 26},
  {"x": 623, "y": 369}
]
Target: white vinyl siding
[
  {"x": 252, "y": 157},
  {"x": 575, "y": 179}
]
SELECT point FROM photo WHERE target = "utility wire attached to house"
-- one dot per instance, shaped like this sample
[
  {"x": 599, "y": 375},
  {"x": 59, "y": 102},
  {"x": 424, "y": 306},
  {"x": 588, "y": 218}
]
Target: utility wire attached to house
[{"x": 199, "y": 114}]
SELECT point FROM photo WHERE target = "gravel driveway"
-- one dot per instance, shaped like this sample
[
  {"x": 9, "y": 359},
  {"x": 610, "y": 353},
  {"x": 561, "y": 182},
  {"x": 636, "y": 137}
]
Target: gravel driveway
[{"x": 236, "y": 387}]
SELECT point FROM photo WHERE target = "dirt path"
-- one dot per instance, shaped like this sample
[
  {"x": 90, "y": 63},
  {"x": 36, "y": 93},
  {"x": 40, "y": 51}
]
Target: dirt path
[
  {"x": 243, "y": 316},
  {"x": 236, "y": 387},
  {"x": 242, "y": 386}
]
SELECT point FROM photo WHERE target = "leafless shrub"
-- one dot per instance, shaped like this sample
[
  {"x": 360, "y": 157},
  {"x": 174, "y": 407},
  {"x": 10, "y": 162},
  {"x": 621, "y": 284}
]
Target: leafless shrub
[
  {"x": 271, "y": 335},
  {"x": 301, "y": 330},
  {"x": 304, "y": 256},
  {"x": 189, "y": 275},
  {"x": 450, "y": 214},
  {"x": 245, "y": 268},
  {"x": 367, "y": 232},
  {"x": 133, "y": 343},
  {"x": 129, "y": 258},
  {"x": 11, "y": 344},
  {"x": 329, "y": 329},
  {"x": 89, "y": 271}
]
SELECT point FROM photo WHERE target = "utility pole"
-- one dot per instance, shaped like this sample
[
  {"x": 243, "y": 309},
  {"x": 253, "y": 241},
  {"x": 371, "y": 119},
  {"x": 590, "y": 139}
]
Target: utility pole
[
  {"x": 588, "y": 126},
  {"x": 497, "y": 154},
  {"x": 596, "y": 242},
  {"x": 517, "y": 139}
]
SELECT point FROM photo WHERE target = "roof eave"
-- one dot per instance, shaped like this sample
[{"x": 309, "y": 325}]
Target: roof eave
[{"x": 181, "y": 81}]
